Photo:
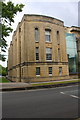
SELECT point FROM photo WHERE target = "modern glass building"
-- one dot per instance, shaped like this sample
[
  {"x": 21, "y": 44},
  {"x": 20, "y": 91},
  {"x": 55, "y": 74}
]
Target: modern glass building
[{"x": 72, "y": 53}]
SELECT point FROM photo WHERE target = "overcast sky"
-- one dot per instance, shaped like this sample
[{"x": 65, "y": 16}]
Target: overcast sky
[{"x": 65, "y": 10}]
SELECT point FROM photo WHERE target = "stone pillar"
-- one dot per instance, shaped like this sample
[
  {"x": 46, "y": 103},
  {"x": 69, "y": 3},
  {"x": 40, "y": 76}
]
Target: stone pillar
[{"x": 18, "y": 69}]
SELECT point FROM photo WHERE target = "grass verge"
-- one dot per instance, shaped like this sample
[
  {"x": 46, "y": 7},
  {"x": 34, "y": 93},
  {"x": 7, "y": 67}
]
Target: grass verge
[
  {"x": 55, "y": 83},
  {"x": 3, "y": 80}
]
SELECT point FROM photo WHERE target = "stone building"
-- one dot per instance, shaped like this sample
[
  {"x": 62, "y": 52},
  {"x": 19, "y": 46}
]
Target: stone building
[{"x": 38, "y": 50}]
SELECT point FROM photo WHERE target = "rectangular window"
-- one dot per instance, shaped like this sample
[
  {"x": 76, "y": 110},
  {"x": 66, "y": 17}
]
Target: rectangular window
[
  {"x": 37, "y": 53},
  {"x": 36, "y": 35},
  {"x": 48, "y": 35},
  {"x": 48, "y": 53},
  {"x": 60, "y": 71},
  {"x": 58, "y": 37},
  {"x": 50, "y": 71},
  {"x": 37, "y": 71}
]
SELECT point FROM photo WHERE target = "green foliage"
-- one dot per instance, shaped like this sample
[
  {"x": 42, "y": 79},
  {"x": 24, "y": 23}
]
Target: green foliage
[
  {"x": 7, "y": 14},
  {"x": 9, "y": 11},
  {"x": 3, "y": 71},
  {"x": 2, "y": 57},
  {"x": 4, "y": 80}
]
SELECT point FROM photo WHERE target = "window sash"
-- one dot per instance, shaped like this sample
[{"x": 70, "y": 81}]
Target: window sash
[
  {"x": 47, "y": 38},
  {"x": 48, "y": 53},
  {"x": 37, "y": 49},
  {"x": 38, "y": 71},
  {"x": 50, "y": 70},
  {"x": 37, "y": 53},
  {"x": 48, "y": 50},
  {"x": 48, "y": 56},
  {"x": 47, "y": 35},
  {"x": 37, "y": 56},
  {"x": 47, "y": 32},
  {"x": 36, "y": 35}
]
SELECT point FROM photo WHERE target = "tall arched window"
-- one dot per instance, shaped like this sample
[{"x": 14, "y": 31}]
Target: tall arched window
[
  {"x": 36, "y": 34},
  {"x": 58, "y": 37}
]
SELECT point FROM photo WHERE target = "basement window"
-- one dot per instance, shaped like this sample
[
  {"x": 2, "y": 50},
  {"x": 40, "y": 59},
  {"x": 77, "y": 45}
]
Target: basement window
[
  {"x": 60, "y": 71},
  {"x": 50, "y": 71},
  {"x": 37, "y": 71}
]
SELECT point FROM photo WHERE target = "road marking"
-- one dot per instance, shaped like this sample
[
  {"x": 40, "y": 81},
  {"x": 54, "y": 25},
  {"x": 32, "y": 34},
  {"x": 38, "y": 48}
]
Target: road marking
[
  {"x": 74, "y": 96},
  {"x": 62, "y": 92},
  {"x": 71, "y": 91}
]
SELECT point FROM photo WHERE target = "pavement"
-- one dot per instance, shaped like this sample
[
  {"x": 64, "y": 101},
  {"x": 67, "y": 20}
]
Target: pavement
[{"x": 23, "y": 86}]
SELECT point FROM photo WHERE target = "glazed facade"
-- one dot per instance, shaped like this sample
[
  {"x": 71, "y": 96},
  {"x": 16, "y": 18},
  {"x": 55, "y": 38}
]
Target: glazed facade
[
  {"x": 71, "y": 47},
  {"x": 75, "y": 33}
]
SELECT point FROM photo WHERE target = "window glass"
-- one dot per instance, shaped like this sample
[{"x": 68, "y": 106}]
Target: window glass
[
  {"x": 36, "y": 35},
  {"x": 50, "y": 70},
  {"x": 37, "y": 70},
  {"x": 72, "y": 53},
  {"x": 47, "y": 35},
  {"x": 37, "y": 53},
  {"x": 48, "y": 53}
]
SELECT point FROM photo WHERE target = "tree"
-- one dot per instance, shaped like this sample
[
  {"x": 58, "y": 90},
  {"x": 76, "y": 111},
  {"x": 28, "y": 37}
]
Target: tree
[
  {"x": 3, "y": 70},
  {"x": 7, "y": 14}
]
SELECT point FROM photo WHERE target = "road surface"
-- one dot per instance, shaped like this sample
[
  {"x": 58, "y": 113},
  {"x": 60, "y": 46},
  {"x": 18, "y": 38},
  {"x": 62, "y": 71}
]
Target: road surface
[{"x": 60, "y": 102}]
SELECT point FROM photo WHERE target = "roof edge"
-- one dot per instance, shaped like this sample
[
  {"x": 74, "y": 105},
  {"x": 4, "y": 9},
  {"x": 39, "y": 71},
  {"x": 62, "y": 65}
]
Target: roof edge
[{"x": 43, "y": 16}]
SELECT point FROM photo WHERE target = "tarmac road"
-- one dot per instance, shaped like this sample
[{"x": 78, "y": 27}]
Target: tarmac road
[{"x": 61, "y": 102}]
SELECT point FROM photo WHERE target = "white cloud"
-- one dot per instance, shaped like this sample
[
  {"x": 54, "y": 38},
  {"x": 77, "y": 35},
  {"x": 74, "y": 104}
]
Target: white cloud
[
  {"x": 66, "y": 10},
  {"x": 52, "y": 0}
]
